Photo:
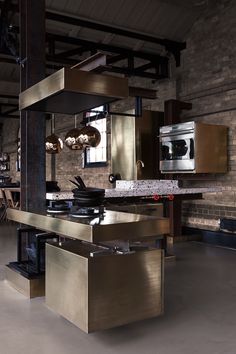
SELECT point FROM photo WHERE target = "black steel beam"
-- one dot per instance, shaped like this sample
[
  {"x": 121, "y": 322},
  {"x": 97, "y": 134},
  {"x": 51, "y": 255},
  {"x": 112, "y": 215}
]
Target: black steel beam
[
  {"x": 126, "y": 71},
  {"x": 2, "y": 115},
  {"x": 48, "y": 66},
  {"x": 2, "y": 95},
  {"x": 12, "y": 110},
  {"x": 142, "y": 68},
  {"x": 63, "y": 61},
  {"x": 3, "y": 104},
  {"x": 172, "y": 46},
  {"x": 108, "y": 48},
  {"x": 71, "y": 52},
  {"x": 115, "y": 58}
]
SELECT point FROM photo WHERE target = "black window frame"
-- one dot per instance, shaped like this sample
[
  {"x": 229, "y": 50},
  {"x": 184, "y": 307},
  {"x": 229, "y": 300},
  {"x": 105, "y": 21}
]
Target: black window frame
[{"x": 87, "y": 120}]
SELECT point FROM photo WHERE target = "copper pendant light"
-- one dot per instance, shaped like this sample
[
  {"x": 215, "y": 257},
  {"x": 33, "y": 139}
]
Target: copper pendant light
[
  {"x": 53, "y": 144},
  {"x": 72, "y": 138},
  {"x": 89, "y": 136}
]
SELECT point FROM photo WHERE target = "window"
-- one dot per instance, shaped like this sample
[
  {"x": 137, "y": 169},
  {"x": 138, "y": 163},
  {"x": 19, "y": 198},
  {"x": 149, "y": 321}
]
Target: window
[{"x": 95, "y": 157}]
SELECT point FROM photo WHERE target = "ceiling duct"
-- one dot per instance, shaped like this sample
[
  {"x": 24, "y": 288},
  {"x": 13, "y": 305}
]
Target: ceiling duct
[{"x": 72, "y": 91}]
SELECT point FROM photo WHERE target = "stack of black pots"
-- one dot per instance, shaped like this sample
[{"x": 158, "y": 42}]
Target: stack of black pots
[{"x": 87, "y": 196}]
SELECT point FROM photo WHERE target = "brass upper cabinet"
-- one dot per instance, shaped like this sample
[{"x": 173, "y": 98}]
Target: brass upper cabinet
[
  {"x": 193, "y": 147},
  {"x": 135, "y": 145}
]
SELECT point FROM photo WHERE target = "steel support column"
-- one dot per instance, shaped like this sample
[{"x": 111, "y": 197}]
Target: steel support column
[{"x": 32, "y": 47}]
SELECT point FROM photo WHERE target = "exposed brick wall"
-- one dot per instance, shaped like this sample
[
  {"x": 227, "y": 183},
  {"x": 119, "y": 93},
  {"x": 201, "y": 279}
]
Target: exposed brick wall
[{"x": 208, "y": 81}]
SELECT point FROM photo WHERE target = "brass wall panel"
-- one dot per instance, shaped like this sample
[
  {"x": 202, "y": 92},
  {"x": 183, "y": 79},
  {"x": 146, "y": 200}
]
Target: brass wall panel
[
  {"x": 116, "y": 225},
  {"x": 123, "y": 146},
  {"x": 210, "y": 148},
  {"x": 135, "y": 143},
  {"x": 106, "y": 291},
  {"x": 147, "y": 143}
]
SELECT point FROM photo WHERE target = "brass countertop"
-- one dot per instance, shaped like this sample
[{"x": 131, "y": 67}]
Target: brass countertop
[{"x": 112, "y": 226}]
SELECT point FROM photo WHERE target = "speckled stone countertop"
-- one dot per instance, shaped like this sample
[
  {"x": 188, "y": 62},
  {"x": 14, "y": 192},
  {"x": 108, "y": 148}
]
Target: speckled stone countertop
[{"x": 142, "y": 188}]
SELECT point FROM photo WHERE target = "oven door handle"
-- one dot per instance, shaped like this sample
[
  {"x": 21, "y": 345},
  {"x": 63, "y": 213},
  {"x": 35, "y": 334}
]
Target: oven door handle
[{"x": 176, "y": 133}]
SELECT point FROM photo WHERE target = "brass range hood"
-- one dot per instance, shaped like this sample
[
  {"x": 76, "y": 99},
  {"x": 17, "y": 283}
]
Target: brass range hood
[{"x": 72, "y": 91}]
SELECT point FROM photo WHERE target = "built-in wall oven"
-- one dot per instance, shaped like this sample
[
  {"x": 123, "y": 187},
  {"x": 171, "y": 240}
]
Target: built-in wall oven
[{"x": 193, "y": 147}]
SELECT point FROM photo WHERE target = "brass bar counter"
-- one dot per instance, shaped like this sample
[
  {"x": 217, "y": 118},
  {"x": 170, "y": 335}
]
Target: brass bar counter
[{"x": 112, "y": 226}]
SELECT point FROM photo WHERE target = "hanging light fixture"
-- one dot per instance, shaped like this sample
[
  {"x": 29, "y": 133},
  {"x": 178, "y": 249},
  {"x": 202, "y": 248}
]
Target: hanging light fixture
[
  {"x": 89, "y": 136},
  {"x": 54, "y": 144},
  {"x": 72, "y": 138}
]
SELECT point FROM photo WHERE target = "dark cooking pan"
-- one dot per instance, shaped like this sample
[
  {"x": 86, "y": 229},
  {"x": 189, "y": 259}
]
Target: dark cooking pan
[
  {"x": 89, "y": 192},
  {"x": 89, "y": 202}
]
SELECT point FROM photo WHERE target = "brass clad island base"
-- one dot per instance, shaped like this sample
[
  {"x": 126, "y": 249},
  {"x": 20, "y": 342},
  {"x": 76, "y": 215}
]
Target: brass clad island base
[
  {"x": 102, "y": 292},
  {"x": 29, "y": 287}
]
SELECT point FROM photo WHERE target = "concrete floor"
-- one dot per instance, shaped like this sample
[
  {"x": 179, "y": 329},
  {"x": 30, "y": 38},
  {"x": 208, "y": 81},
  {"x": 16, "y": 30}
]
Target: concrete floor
[{"x": 200, "y": 312}]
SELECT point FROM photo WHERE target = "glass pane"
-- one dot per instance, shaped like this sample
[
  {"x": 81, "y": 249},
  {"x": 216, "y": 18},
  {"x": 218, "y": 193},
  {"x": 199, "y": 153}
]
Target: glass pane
[
  {"x": 98, "y": 154},
  {"x": 176, "y": 149}
]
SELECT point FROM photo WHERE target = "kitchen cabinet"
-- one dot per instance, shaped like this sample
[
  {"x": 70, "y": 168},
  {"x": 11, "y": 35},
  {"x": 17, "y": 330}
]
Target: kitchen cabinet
[
  {"x": 105, "y": 273},
  {"x": 97, "y": 293},
  {"x": 135, "y": 145},
  {"x": 193, "y": 147}
]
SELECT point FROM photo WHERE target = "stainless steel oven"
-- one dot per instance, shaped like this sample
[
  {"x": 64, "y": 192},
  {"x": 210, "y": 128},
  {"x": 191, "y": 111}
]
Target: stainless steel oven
[{"x": 193, "y": 147}]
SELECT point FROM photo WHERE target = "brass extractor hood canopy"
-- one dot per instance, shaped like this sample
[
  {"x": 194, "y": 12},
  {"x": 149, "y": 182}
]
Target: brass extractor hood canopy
[{"x": 72, "y": 91}]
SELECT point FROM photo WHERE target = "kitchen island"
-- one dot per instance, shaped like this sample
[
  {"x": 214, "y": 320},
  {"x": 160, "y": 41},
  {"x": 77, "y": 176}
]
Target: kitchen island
[
  {"x": 146, "y": 191},
  {"x": 105, "y": 273}
]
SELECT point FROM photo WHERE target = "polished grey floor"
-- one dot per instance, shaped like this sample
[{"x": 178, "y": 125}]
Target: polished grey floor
[{"x": 200, "y": 312}]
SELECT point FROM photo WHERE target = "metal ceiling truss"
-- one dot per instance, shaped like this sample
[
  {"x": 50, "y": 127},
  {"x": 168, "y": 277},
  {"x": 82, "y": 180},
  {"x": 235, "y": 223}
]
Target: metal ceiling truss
[
  {"x": 170, "y": 46},
  {"x": 156, "y": 66},
  {"x": 160, "y": 64}
]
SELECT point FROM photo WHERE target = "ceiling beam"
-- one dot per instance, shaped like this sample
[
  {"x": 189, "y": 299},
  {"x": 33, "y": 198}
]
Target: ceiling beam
[
  {"x": 2, "y": 115},
  {"x": 8, "y": 60},
  {"x": 172, "y": 46},
  {"x": 145, "y": 67},
  {"x": 12, "y": 110},
  {"x": 10, "y": 97},
  {"x": 4, "y": 104},
  {"x": 129, "y": 72},
  {"x": 115, "y": 58},
  {"x": 106, "y": 47},
  {"x": 71, "y": 52}
]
